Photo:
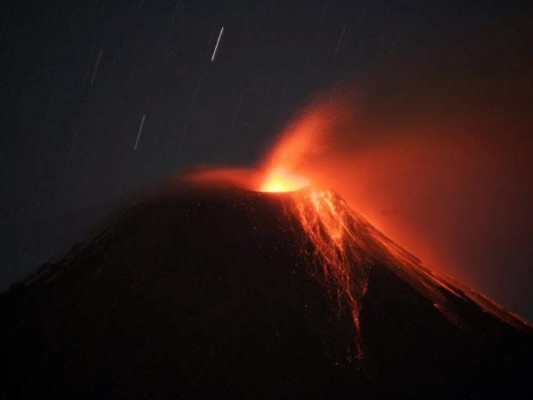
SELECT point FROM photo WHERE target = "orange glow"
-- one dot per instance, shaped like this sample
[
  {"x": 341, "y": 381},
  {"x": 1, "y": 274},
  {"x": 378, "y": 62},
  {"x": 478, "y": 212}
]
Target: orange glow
[
  {"x": 283, "y": 163},
  {"x": 316, "y": 148},
  {"x": 330, "y": 226},
  {"x": 394, "y": 173},
  {"x": 279, "y": 180},
  {"x": 347, "y": 246}
]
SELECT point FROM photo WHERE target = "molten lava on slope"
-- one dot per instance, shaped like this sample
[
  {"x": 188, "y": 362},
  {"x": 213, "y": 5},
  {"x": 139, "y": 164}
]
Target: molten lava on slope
[
  {"x": 340, "y": 240},
  {"x": 211, "y": 291},
  {"x": 335, "y": 229},
  {"x": 232, "y": 283}
]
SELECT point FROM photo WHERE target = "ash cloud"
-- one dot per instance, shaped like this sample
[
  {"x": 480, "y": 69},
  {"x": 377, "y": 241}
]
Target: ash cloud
[{"x": 435, "y": 146}]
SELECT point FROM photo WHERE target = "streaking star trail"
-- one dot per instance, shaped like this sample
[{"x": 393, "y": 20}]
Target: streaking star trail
[{"x": 217, "y": 44}]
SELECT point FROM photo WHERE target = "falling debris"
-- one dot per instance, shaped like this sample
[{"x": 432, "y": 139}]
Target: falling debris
[
  {"x": 216, "y": 45},
  {"x": 140, "y": 131}
]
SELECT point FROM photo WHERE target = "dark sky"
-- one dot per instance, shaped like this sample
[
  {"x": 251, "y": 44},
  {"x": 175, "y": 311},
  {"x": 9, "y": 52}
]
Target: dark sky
[{"x": 100, "y": 97}]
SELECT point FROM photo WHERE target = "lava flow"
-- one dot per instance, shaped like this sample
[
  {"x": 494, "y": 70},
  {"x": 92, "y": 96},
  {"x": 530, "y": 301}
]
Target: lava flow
[
  {"x": 347, "y": 246},
  {"x": 328, "y": 224},
  {"x": 326, "y": 220},
  {"x": 324, "y": 217},
  {"x": 345, "y": 243}
]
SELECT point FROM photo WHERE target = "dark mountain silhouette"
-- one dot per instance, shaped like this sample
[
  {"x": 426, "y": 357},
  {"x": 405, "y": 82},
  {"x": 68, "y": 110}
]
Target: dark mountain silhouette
[{"x": 216, "y": 292}]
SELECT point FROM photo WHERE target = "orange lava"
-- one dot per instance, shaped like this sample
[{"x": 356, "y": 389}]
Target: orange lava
[
  {"x": 329, "y": 226},
  {"x": 345, "y": 244},
  {"x": 326, "y": 148},
  {"x": 280, "y": 180}
]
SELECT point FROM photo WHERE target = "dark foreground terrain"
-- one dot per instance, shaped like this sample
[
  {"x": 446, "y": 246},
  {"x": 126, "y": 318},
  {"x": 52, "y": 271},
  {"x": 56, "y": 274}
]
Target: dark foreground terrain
[{"x": 207, "y": 293}]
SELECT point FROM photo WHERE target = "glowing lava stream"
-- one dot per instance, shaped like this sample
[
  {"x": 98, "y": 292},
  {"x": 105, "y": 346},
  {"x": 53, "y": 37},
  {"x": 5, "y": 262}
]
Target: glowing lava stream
[
  {"x": 346, "y": 246},
  {"x": 327, "y": 221},
  {"x": 345, "y": 243}
]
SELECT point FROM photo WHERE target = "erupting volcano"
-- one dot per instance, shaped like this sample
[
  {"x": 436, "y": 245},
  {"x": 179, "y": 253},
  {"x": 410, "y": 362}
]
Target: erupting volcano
[
  {"x": 341, "y": 241},
  {"x": 336, "y": 231},
  {"x": 255, "y": 284}
]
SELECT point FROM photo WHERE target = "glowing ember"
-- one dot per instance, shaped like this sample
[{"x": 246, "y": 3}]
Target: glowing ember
[
  {"x": 343, "y": 242},
  {"x": 280, "y": 180},
  {"x": 329, "y": 225},
  {"x": 345, "y": 245}
]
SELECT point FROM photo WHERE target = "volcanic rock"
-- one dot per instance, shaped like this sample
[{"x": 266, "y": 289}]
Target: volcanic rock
[{"x": 217, "y": 292}]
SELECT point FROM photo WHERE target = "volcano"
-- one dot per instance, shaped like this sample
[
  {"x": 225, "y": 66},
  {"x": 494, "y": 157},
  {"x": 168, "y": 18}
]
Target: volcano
[{"x": 214, "y": 291}]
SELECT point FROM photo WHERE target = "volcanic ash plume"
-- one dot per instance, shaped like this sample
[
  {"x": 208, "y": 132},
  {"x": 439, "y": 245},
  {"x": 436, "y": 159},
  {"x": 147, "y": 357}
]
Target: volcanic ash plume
[
  {"x": 344, "y": 242},
  {"x": 225, "y": 292},
  {"x": 347, "y": 247}
]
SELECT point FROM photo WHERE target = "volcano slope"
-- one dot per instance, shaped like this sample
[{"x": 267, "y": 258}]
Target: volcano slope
[{"x": 213, "y": 292}]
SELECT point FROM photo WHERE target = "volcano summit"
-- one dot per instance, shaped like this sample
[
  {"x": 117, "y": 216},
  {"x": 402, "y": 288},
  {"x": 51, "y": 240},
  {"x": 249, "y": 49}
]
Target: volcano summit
[{"x": 213, "y": 291}]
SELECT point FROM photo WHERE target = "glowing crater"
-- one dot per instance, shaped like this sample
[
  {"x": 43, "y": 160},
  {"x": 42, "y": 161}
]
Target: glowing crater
[{"x": 281, "y": 180}]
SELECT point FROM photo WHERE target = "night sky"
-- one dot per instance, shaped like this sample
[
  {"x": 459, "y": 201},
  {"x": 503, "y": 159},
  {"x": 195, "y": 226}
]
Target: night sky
[{"x": 101, "y": 97}]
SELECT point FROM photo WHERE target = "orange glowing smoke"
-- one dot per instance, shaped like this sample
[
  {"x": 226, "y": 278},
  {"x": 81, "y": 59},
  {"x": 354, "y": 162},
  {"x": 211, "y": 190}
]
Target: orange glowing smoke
[
  {"x": 343, "y": 242},
  {"x": 346, "y": 246},
  {"x": 325, "y": 218},
  {"x": 305, "y": 160},
  {"x": 280, "y": 180},
  {"x": 283, "y": 164}
]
